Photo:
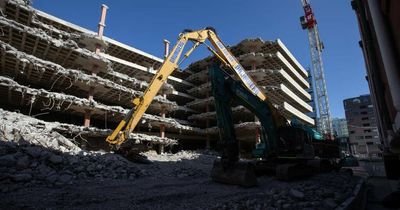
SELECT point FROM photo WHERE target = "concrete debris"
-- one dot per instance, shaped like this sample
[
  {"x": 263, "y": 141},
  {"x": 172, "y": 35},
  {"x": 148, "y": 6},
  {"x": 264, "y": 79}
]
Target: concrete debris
[
  {"x": 91, "y": 41},
  {"x": 124, "y": 79},
  {"x": 182, "y": 164},
  {"x": 203, "y": 88},
  {"x": 53, "y": 30},
  {"x": 36, "y": 128},
  {"x": 199, "y": 102},
  {"x": 103, "y": 133},
  {"x": 307, "y": 194},
  {"x": 82, "y": 104},
  {"x": 79, "y": 78},
  {"x": 56, "y": 168},
  {"x": 184, "y": 175},
  {"x": 69, "y": 44},
  {"x": 33, "y": 151},
  {"x": 15, "y": 128},
  {"x": 243, "y": 125},
  {"x": 212, "y": 115},
  {"x": 20, "y": 3},
  {"x": 28, "y": 160}
]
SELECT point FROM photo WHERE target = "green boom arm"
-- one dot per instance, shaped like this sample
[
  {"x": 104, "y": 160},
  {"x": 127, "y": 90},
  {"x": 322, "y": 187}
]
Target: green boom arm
[{"x": 226, "y": 90}]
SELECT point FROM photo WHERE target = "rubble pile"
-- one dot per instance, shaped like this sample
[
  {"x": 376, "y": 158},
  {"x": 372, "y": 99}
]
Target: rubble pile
[
  {"x": 32, "y": 153},
  {"x": 182, "y": 164},
  {"x": 322, "y": 191},
  {"x": 29, "y": 165},
  {"x": 19, "y": 129}
]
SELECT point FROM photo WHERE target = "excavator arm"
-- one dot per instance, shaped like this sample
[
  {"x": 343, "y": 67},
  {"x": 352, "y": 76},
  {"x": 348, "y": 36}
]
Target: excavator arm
[
  {"x": 226, "y": 91},
  {"x": 170, "y": 64}
]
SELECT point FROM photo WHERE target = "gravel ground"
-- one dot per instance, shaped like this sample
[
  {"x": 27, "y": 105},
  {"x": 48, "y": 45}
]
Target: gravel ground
[
  {"x": 41, "y": 169},
  {"x": 173, "y": 181}
]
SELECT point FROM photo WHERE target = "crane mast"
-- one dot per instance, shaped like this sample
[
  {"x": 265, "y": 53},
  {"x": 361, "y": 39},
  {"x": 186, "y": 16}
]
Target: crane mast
[{"x": 309, "y": 23}]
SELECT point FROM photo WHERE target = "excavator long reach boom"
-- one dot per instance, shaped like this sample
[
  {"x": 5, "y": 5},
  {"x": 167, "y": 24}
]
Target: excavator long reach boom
[{"x": 170, "y": 64}]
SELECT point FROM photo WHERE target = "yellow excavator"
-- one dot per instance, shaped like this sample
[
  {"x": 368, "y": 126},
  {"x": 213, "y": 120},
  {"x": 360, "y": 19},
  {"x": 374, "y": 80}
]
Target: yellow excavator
[
  {"x": 170, "y": 64},
  {"x": 225, "y": 89}
]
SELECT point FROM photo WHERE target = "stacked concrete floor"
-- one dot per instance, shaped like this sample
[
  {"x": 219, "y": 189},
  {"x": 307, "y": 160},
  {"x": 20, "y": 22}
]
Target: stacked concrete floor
[
  {"x": 57, "y": 71},
  {"x": 273, "y": 68}
]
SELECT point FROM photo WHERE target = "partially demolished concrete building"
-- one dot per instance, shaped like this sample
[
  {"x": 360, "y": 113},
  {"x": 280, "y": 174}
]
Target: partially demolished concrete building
[
  {"x": 57, "y": 71},
  {"x": 273, "y": 68}
]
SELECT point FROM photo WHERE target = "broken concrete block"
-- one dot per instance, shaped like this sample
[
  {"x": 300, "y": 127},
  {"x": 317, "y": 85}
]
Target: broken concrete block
[
  {"x": 55, "y": 159},
  {"x": 7, "y": 160}
]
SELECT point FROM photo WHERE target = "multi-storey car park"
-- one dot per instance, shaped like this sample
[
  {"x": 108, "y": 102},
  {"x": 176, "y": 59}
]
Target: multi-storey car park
[{"x": 57, "y": 71}]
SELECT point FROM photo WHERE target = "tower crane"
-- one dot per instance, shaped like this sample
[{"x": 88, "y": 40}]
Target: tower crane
[{"x": 309, "y": 23}]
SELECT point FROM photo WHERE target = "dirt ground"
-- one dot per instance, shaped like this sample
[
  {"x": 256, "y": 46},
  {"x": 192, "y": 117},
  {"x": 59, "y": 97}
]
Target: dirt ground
[{"x": 181, "y": 181}]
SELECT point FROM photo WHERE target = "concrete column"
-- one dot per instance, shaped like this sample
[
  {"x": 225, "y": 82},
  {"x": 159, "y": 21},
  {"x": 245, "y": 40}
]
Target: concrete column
[
  {"x": 166, "y": 48},
  {"x": 102, "y": 23},
  {"x": 162, "y": 128},
  {"x": 162, "y": 135},
  {"x": 86, "y": 121},
  {"x": 163, "y": 111},
  {"x": 95, "y": 68},
  {"x": 207, "y": 125},
  {"x": 207, "y": 120}
]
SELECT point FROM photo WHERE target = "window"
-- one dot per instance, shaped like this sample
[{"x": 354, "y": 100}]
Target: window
[
  {"x": 364, "y": 112},
  {"x": 352, "y": 132},
  {"x": 365, "y": 118},
  {"x": 366, "y": 124},
  {"x": 370, "y": 143},
  {"x": 359, "y": 137},
  {"x": 363, "y": 107},
  {"x": 368, "y": 137},
  {"x": 367, "y": 131}
]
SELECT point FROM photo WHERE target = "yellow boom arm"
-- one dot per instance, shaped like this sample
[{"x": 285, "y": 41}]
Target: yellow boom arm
[{"x": 169, "y": 65}]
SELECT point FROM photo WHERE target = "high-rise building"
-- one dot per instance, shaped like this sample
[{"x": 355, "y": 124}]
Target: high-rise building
[
  {"x": 339, "y": 126},
  {"x": 361, "y": 124},
  {"x": 379, "y": 25}
]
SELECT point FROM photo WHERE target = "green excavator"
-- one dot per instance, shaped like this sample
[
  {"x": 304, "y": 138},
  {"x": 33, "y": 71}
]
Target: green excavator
[
  {"x": 281, "y": 141},
  {"x": 290, "y": 150}
]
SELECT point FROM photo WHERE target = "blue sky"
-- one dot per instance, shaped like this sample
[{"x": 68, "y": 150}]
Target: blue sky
[{"x": 144, "y": 24}]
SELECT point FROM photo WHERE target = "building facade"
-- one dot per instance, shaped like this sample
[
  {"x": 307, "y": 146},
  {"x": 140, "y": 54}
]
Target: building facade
[
  {"x": 361, "y": 123},
  {"x": 339, "y": 126},
  {"x": 313, "y": 114},
  {"x": 379, "y": 26}
]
